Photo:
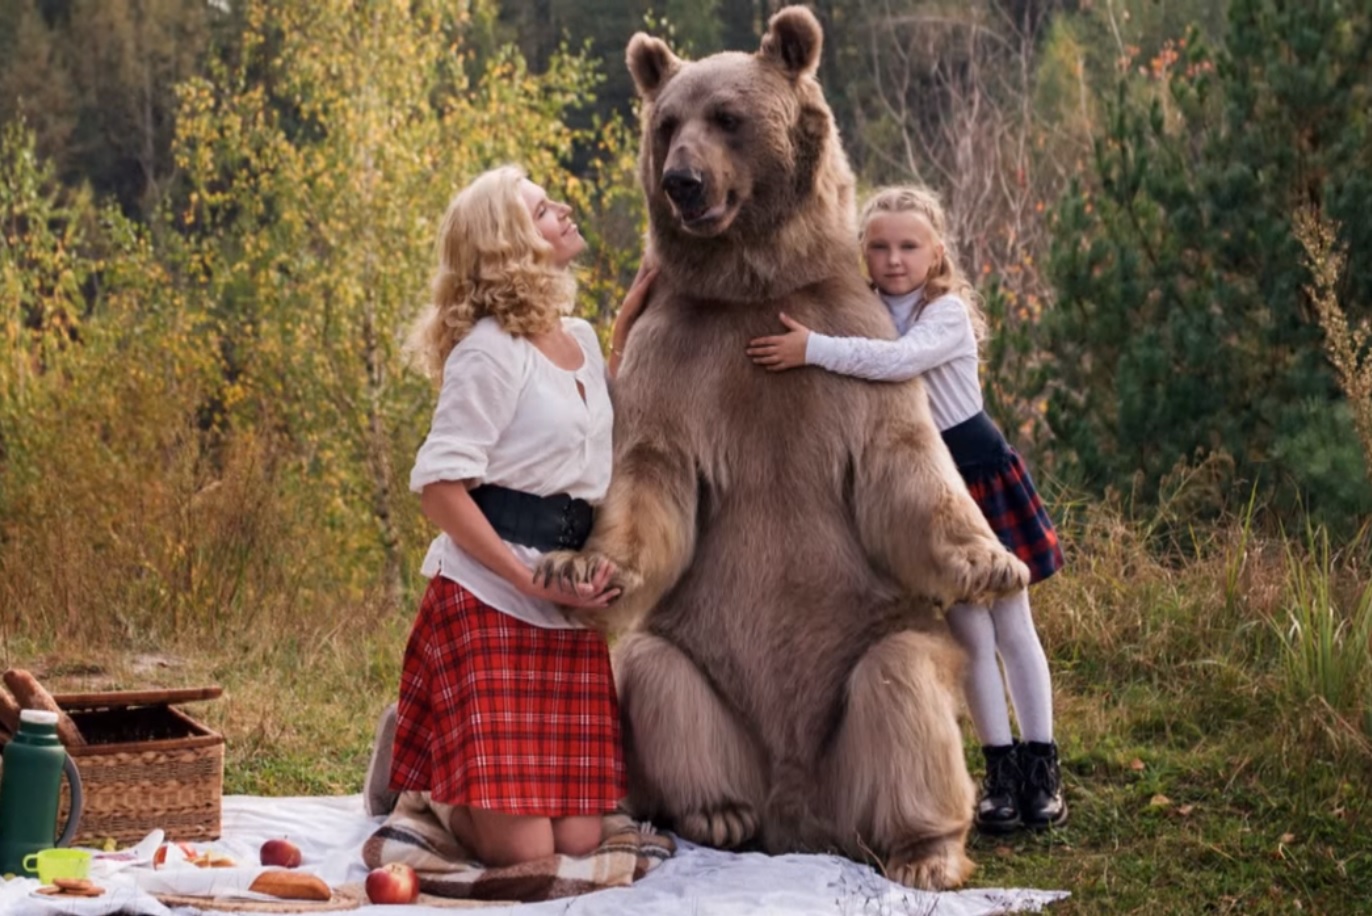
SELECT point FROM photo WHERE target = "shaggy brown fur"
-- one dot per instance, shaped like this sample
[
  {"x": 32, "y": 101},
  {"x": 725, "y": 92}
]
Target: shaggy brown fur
[{"x": 781, "y": 539}]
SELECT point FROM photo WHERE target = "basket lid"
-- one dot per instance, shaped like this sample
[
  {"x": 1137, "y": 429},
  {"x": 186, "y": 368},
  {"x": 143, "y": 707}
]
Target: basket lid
[{"x": 117, "y": 698}]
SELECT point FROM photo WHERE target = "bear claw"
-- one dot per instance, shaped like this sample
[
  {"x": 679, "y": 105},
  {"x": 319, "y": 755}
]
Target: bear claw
[
  {"x": 571, "y": 568},
  {"x": 725, "y": 827},
  {"x": 942, "y": 868},
  {"x": 990, "y": 571}
]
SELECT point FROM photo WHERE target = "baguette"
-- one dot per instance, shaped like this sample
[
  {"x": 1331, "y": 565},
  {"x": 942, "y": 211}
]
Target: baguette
[
  {"x": 9, "y": 713},
  {"x": 291, "y": 885},
  {"x": 32, "y": 695}
]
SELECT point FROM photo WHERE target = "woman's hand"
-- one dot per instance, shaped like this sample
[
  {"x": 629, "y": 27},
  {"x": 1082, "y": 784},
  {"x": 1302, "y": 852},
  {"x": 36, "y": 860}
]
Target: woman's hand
[
  {"x": 631, "y": 308},
  {"x": 634, "y": 299},
  {"x": 781, "y": 351},
  {"x": 590, "y": 595}
]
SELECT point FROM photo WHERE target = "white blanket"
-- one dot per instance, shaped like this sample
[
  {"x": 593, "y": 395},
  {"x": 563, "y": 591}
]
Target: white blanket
[{"x": 697, "y": 882}]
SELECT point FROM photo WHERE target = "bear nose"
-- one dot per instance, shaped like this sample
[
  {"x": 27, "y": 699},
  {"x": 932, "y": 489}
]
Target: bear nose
[{"x": 685, "y": 187}]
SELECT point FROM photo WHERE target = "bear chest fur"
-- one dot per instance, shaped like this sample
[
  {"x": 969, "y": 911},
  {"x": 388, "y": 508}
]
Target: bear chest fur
[{"x": 780, "y": 598}]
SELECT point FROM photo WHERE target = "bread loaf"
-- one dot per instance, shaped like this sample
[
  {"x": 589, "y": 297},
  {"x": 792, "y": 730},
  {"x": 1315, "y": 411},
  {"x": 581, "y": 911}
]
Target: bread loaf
[
  {"x": 31, "y": 695},
  {"x": 9, "y": 713},
  {"x": 290, "y": 885}
]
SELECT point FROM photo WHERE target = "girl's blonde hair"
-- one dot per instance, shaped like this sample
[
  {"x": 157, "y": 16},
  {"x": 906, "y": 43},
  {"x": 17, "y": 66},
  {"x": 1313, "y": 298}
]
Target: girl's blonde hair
[
  {"x": 491, "y": 261},
  {"x": 944, "y": 276}
]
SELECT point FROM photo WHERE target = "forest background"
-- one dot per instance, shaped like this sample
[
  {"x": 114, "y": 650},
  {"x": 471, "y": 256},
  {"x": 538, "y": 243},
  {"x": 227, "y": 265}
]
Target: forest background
[{"x": 217, "y": 221}]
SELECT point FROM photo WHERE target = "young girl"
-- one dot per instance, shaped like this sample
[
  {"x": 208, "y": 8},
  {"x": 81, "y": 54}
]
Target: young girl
[
  {"x": 507, "y": 712},
  {"x": 936, "y": 314}
]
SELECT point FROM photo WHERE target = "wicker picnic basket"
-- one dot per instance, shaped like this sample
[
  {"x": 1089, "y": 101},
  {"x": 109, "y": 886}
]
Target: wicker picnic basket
[{"x": 145, "y": 765}]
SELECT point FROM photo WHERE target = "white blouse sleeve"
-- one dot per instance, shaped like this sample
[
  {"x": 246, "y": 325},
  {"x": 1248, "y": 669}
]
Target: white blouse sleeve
[
  {"x": 942, "y": 331},
  {"x": 475, "y": 405}
]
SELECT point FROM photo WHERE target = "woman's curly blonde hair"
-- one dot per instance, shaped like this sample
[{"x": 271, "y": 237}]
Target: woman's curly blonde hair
[
  {"x": 491, "y": 261},
  {"x": 945, "y": 276}
]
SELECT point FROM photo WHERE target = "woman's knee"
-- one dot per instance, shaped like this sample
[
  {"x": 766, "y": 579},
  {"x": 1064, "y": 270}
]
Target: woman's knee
[
  {"x": 503, "y": 839},
  {"x": 577, "y": 836}
]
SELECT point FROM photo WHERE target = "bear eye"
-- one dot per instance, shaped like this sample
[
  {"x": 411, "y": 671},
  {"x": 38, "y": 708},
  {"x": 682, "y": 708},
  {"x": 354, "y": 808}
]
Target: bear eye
[
  {"x": 727, "y": 121},
  {"x": 665, "y": 128}
]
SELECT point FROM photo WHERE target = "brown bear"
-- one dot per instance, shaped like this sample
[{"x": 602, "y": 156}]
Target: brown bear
[{"x": 782, "y": 541}]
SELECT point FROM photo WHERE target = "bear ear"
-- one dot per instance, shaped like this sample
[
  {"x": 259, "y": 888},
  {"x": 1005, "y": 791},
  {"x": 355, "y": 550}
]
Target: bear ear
[
  {"x": 793, "y": 41},
  {"x": 651, "y": 63}
]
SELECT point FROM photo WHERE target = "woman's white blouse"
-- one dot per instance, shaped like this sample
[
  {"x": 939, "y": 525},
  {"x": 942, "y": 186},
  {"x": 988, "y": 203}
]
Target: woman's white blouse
[
  {"x": 937, "y": 342},
  {"x": 506, "y": 415}
]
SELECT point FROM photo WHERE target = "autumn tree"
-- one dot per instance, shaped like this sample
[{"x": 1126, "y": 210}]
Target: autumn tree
[
  {"x": 97, "y": 84},
  {"x": 319, "y": 161},
  {"x": 103, "y": 364},
  {"x": 35, "y": 86}
]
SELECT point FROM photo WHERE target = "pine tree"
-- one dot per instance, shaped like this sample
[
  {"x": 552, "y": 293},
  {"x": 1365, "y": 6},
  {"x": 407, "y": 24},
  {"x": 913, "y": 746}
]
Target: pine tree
[{"x": 1182, "y": 322}]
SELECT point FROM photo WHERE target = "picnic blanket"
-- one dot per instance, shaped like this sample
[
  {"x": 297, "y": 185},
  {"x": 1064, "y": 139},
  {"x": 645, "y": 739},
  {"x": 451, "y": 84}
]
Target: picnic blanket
[
  {"x": 416, "y": 834},
  {"x": 697, "y": 881}
]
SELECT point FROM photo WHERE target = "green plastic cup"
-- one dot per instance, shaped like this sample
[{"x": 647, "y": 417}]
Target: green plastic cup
[{"x": 58, "y": 863}]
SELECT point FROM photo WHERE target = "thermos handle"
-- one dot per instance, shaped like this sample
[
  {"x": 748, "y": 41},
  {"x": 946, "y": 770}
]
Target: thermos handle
[{"x": 77, "y": 802}]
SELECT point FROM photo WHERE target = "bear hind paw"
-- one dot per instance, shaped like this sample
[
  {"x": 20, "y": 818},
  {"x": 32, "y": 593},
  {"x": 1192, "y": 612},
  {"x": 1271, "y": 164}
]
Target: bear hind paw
[
  {"x": 939, "y": 865},
  {"x": 725, "y": 827}
]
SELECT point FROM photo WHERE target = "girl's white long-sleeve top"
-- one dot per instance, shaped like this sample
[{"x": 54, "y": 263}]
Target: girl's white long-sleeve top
[{"x": 936, "y": 342}]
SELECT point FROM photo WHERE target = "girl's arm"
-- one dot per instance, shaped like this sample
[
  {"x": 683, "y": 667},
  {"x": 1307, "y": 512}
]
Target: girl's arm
[{"x": 942, "y": 331}]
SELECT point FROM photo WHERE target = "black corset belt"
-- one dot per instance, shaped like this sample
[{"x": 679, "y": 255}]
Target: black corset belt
[{"x": 558, "y": 522}]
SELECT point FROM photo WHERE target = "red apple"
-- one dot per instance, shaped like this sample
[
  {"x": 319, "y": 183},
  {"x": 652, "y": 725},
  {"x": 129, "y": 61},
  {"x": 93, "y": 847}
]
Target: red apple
[
  {"x": 393, "y": 883},
  {"x": 281, "y": 853}
]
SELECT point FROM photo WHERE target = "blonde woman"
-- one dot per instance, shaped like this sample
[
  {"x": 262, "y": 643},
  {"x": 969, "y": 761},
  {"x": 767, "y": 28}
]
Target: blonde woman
[{"x": 507, "y": 712}]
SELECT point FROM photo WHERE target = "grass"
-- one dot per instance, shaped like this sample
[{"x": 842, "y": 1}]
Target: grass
[
  {"x": 1180, "y": 805},
  {"x": 1212, "y": 703}
]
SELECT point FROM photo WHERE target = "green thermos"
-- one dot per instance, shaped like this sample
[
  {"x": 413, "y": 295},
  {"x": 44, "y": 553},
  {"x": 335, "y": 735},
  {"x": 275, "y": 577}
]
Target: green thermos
[{"x": 30, "y": 791}]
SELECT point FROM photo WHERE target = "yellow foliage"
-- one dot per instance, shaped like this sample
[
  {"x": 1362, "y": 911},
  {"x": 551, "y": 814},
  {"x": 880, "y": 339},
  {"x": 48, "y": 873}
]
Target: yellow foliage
[{"x": 234, "y": 433}]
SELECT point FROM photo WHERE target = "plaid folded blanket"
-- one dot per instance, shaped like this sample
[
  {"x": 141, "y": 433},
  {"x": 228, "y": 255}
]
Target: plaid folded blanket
[{"x": 416, "y": 833}]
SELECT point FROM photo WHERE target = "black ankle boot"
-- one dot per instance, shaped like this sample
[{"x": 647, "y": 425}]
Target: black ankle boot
[
  {"x": 1041, "y": 801},
  {"x": 998, "y": 808}
]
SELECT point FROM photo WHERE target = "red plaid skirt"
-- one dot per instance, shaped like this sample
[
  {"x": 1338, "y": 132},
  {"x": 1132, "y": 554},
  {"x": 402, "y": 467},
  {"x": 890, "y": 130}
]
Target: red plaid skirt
[
  {"x": 500, "y": 714},
  {"x": 1005, "y": 492}
]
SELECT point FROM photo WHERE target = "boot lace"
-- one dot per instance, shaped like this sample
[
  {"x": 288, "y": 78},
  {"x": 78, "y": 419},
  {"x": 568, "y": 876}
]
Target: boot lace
[{"x": 1042, "y": 773}]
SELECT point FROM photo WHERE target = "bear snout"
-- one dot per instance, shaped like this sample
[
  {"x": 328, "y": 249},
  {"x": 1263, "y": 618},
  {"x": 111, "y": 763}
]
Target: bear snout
[{"x": 686, "y": 189}]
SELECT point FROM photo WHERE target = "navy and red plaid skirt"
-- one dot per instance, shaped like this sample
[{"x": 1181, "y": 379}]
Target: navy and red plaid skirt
[
  {"x": 1001, "y": 485},
  {"x": 500, "y": 714}
]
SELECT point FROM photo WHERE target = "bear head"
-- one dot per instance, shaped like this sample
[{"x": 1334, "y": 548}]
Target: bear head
[{"x": 749, "y": 193}]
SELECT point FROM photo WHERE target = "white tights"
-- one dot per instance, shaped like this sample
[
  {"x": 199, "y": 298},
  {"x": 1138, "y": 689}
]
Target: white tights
[{"x": 1007, "y": 628}]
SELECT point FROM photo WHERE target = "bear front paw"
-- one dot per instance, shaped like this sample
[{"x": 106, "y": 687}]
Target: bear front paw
[
  {"x": 984, "y": 572},
  {"x": 569, "y": 569}
]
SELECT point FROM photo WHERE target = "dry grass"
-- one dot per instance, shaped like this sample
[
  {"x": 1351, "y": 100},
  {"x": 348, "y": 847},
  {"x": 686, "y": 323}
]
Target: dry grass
[{"x": 1349, "y": 348}]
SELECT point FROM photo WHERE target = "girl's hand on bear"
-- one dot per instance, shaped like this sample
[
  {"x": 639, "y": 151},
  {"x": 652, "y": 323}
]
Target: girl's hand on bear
[{"x": 781, "y": 351}]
